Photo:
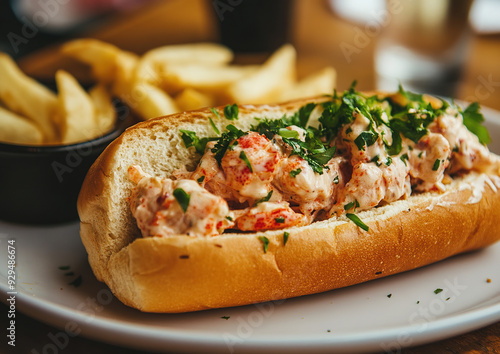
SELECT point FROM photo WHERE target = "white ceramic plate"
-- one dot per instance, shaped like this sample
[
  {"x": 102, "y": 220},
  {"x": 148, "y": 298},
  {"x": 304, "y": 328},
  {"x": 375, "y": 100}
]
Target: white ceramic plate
[{"x": 55, "y": 285}]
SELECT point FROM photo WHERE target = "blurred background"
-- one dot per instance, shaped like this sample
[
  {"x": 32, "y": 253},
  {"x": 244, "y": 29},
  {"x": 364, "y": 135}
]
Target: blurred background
[{"x": 446, "y": 47}]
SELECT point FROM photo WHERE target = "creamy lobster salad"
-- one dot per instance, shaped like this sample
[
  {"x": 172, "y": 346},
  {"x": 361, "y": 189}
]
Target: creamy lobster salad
[{"x": 362, "y": 151}]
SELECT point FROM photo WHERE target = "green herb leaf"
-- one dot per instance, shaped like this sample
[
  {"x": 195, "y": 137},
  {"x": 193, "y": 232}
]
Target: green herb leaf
[
  {"x": 214, "y": 111},
  {"x": 350, "y": 205},
  {"x": 355, "y": 219},
  {"x": 404, "y": 158},
  {"x": 231, "y": 111},
  {"x": 411, "y": 125},
  {"x": 324, "y": 157},
  {"x": 265, "y": 241},
  {"x": 301, "y": 117},
  {"x": 397, "y": 144},
  {"x": 244, "y": 157},
  {"x": 191, "y": 139},
  {"x": 77, "y": 282},
  {"x": 182, "y": 198},
  {"x": 216, "y": 130},
  {"x": 294, "y": 173},
  {"x": 285, "y": 237},
  {"x": 231, "y": 133},
  {"x": 265, "y": 199},
  {"x": 413, "y": 97},
  {"x": 288, "y": 133},
  {"x": 473, "y": 120},
  {"x": 366, "y": 138}
]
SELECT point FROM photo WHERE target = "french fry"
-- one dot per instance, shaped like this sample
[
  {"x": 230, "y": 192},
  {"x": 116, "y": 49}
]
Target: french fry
[
  {"x": 147, "y": 100},
  {"x": 76, "y": 110},
  {"x": 208, "y": 54},
  {"x": 24, "y": 95},
  {"x": 105, "y": 113},
  {"x": 264, "y": 85},
  {"x": 101, "y": 56},
  {"x": 190, "y": 99},
  {"x": 205, "y": 53},
  {"x": 16, "y": 129},
  {"x": 321, "y": 82},
  {"x": 197, "y": 76}
]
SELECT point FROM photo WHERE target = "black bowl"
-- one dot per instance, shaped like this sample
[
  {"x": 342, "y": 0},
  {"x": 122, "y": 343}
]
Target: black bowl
[{"x": 40, "y": 184}]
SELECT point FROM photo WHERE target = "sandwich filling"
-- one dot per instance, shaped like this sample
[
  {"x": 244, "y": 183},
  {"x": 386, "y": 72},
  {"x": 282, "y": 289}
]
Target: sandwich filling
[{"x": 350, "y": 153}]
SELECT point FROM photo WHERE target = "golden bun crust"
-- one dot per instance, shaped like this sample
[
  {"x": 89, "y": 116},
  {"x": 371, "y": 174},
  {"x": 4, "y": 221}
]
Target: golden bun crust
[{"x": 181, "y": 273}]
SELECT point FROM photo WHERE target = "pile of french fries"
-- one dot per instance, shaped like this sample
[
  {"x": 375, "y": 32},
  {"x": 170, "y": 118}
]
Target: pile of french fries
[
  {"x": 185, "y": 77},
  {"x": 31, "y": 114},
  {"x": 163, "y": 81}
]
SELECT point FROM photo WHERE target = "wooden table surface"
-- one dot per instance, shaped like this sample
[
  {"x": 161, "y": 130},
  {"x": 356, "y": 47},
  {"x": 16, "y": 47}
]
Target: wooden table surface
[{"x": 317, "y": 35}]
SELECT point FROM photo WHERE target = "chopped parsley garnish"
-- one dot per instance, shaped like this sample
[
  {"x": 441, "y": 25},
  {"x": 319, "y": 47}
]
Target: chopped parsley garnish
[
  {"x": 77, "y": 282},
  {"x": 313, "y": 151},
  {"x": 231, "y": 133},
  {"x": 265, "y": 199},
  {"x": 214, "y": 111},
  {"x": 294, "y": 173},
  {"x": 214, "y": 127},
  {"x": 288, "y": 133},
  {"x": 244, "y": 157},
  {"x": 351, "y": 205},
  {"x": 316, "y": 152},
  {"x": 366, "y": 138},
  {"x": 191, "y": 139},
  {"x": 473, "y": 120},
  {"x": 436, "y": 165},
  {"x": 265, "y": 242},
  {"x": 231, "y": 111},
  {"x": 404, "y": 158},
  {"x": 279, "y": 219},
  {"x": 182, "y": 198},
  {"x": 285, "y": 237},
  {"x": 301, "y": 117},
  {"x": 355, "y": 219}
]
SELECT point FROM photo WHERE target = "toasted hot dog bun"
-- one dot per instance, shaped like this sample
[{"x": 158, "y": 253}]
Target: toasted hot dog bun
[{"x": 181, "y": 273}]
